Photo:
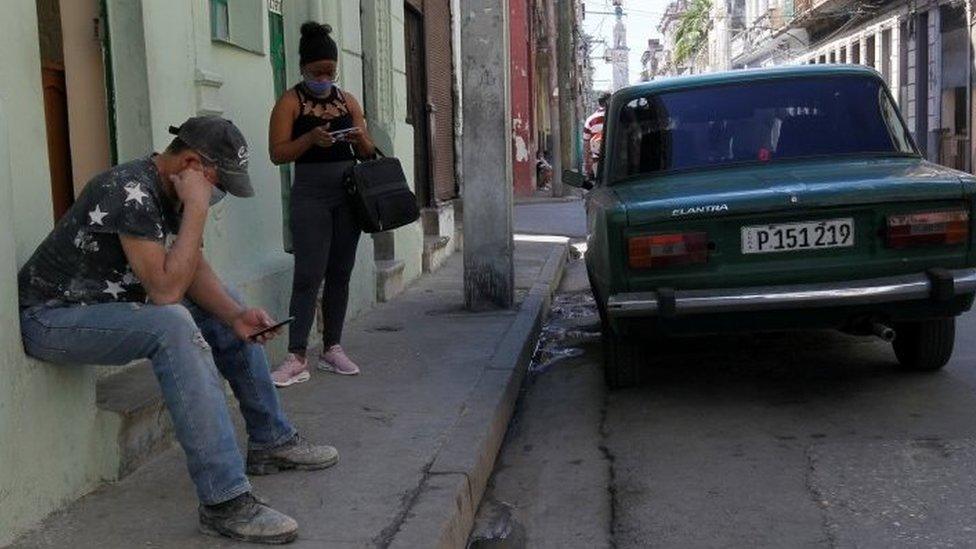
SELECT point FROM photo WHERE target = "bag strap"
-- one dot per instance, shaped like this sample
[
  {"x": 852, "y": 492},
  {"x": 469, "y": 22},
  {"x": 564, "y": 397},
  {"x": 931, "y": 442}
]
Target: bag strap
[{"x": 376, "y": 151}]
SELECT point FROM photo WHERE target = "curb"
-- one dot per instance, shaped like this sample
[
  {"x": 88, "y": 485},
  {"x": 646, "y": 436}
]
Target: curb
[
  {"x": 545, "y": 199},
  {"x": 443, "y": 513}
]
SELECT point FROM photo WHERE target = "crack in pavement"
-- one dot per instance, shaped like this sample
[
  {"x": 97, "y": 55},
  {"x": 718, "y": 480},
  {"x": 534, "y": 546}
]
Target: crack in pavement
[
  {"x": 818, "y": 499},
  {"x": 611, "y": 460},
  {"x": 407, "y": 500}
]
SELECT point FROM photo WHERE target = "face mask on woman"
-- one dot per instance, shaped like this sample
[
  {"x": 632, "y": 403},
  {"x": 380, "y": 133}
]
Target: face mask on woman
[{"x": 318, "y": 87}]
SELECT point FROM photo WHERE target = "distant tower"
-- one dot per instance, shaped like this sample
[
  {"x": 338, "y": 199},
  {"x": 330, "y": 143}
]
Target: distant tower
[{"x": 620, "y": 53}]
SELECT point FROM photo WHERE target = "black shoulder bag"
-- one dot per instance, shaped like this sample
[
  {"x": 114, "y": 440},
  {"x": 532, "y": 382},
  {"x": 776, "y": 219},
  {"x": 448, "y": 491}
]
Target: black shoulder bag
[{"x": 380, "y": 195}]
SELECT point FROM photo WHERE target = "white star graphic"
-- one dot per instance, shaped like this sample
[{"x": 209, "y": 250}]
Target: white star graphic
[
  {"x": 97, "y": 215},
  {"x": 134, "y": 192},
  {"x": 113, "y": 288}
]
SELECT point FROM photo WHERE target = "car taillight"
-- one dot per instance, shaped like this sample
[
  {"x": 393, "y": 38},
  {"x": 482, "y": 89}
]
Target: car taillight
[
  {"x": 666, "y": 250},
  {"x": 928, "y": 229}
]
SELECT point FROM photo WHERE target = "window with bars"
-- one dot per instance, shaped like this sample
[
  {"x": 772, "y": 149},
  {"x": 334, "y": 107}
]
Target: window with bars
[
  {"x": 219, "y": 20},
  {"x": 238, "y": 23}
]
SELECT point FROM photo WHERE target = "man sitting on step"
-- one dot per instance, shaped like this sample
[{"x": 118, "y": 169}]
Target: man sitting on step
[{"x": 122, "y": 277}]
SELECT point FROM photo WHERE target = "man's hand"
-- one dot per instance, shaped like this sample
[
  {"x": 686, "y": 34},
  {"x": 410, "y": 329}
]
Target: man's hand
[
  {"x": 251, "y": 321},
  {"x": 193, "y": 188}
]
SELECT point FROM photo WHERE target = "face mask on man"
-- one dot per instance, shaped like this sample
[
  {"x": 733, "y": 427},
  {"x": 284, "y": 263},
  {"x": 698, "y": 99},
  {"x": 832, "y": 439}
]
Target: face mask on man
[{"x": 318, "y": 87}]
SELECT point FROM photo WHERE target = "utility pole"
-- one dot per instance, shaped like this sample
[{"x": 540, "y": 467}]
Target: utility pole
[
  {"x": 620, "y": 53},
  {"x": 556, "y": 151},
  {"x": 567, "y": 92},
  {"x": 970, "y": 74},
  {"x": 489, "y": 271}
]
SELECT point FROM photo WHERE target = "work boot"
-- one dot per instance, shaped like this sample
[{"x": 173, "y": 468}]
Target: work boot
[
  {"x": 297, "y": 453},
  {"x": 246, "y": 518}
]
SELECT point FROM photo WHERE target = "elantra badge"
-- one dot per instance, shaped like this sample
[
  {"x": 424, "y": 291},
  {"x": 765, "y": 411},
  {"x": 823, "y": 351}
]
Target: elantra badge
[{"x": 711, "y": 208}]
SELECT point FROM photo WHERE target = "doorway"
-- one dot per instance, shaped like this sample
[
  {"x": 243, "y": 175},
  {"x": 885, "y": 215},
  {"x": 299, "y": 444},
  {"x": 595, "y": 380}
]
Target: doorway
[
  {"x": 417, "y": 102},
  {"x": 954, "y": 120},
  {"x": 55, "y": 94},
  {"x": 74, "y": 93}
]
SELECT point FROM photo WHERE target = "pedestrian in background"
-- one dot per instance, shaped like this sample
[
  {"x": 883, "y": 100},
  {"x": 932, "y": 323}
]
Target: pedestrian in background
[
  {"x": 320, "y": 128},
  {"x": 593, "y": 136}
]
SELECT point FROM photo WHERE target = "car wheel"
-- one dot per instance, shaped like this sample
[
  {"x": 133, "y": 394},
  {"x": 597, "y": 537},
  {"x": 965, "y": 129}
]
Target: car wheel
[
  {"x": 622, "y": 359},
  {"x": 925, "y": 346},
  {"x": 600, "y": 305}
]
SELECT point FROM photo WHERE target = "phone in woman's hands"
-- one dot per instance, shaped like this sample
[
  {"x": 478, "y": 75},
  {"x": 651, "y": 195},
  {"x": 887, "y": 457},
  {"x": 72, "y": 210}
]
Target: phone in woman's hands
[{"x": 342, "y": 135}]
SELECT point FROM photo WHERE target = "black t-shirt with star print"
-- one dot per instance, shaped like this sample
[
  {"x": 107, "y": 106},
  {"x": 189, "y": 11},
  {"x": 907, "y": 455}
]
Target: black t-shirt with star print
[{"x": 82, "y": 261}]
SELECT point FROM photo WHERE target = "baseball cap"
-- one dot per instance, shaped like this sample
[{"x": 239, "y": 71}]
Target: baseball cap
[{"x": 219, "y": 141}]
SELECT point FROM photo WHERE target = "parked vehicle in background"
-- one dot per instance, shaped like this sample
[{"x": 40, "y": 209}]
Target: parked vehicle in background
[{"x": 787, "y": 198}]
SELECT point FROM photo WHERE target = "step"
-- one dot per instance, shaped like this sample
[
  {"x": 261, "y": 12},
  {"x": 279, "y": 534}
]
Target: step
[
  {"x": 436, "y": 251},
  {"x": 389, "y": 279},
  {"x": 133, "y": 399}
]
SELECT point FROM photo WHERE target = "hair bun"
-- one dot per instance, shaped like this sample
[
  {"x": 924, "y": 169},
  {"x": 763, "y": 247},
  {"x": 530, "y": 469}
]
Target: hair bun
[
  {"x": 312, "y": 28},
  {"x": 316, "y": 44}
]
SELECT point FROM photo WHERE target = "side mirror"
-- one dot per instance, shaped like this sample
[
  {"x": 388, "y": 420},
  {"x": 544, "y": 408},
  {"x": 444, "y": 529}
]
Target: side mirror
[{"x": 576, "y": 179}]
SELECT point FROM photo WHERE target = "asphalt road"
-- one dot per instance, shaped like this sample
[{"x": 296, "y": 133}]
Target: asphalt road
[{"x": 775, "y": 440}]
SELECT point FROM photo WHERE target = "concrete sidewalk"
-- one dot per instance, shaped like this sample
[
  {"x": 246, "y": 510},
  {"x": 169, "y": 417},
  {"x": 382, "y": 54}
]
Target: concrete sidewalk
[{"x": 417, "y": 432}]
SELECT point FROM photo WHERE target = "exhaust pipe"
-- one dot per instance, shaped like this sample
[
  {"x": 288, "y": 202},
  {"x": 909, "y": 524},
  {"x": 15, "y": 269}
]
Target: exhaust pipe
[{"x": 884, "y": 332}]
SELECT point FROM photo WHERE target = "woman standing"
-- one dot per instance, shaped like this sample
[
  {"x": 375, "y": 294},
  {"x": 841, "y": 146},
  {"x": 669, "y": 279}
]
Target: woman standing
[{"x": 321, "y": 129}]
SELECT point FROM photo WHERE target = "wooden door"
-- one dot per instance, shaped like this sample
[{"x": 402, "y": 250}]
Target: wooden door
[
  {"x": 417, "y": 102},
  {"x": 440, "y": 98},
  {"x": 58, "y": 145}
]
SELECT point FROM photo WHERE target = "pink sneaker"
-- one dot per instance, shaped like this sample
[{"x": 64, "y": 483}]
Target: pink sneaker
[
  {"x": 336, "y": 361},
  {"x": 293, "y": 370}
]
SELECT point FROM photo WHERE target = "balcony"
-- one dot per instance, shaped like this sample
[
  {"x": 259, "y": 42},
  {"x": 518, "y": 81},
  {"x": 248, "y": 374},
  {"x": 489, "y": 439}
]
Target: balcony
[
  {"x": 766, "y": 34},
  {"x": 802, "y": 9},
  {"x": 738, "y": 45}
]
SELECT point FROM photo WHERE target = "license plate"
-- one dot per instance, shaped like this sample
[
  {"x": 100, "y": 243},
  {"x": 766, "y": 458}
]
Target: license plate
[{"x": 788, "y": 237}]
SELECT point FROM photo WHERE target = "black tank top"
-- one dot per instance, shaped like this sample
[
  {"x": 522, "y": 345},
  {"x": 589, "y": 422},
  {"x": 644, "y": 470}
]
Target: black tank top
[{"x": 330, "y": 111}]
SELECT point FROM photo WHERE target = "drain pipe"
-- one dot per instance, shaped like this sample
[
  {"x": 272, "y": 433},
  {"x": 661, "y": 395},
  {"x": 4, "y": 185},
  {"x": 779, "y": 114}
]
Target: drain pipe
[{"x": 884, "y": 332}]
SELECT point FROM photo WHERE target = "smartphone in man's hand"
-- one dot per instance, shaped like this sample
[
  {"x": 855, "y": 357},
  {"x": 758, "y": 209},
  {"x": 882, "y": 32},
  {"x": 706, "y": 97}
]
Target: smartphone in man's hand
[{"x": 271, "y": 328}]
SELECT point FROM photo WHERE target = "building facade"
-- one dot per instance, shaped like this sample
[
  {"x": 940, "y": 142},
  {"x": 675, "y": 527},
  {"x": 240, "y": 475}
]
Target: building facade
[
  {"x": 922, "y": 49},
  {"x": 652, "y": 60},
  {"x": 88, "y": 83},
  {"x": 668, "y": 27},
  {"x": 551, "y": 76}
]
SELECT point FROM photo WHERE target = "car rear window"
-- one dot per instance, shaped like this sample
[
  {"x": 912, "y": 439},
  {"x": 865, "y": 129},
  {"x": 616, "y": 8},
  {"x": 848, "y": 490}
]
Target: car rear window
[{"x": 761, "y": 121}]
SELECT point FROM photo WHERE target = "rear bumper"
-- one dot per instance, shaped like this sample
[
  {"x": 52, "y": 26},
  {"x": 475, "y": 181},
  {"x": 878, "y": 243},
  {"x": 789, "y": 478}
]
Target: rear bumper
[{"x": 941, "y": 285}]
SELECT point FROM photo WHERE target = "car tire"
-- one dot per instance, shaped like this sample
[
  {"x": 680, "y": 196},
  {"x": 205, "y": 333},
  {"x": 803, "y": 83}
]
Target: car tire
[
  {"x": 601, "y": 309},
  {"x": 925, "y": 346},
  {"x": 622, "y": 360}
]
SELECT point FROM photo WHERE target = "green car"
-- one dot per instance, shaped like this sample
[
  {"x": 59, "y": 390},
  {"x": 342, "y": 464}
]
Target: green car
[{"x": 776, "y": 199}]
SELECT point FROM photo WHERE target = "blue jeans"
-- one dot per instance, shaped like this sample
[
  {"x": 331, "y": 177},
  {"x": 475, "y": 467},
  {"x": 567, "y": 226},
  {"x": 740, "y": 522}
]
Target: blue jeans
[{"x": 187, "y": 347}]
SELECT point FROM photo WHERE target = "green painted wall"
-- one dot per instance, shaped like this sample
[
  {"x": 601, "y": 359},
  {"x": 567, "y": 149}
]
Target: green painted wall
[
  {"x": 55, "y": 444},
  {"x": 51, "y": 438},
  {"x": 20, "y": 89}
]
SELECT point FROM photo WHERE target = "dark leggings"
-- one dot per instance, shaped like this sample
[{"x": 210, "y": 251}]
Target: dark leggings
[{"x": 325, "y": 235}]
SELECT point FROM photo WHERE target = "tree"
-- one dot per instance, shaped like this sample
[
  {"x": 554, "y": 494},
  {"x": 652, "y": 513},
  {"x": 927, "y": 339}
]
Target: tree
[{"x": 691, "y": 36}]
